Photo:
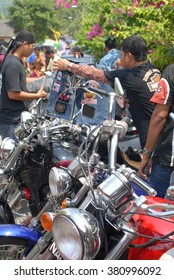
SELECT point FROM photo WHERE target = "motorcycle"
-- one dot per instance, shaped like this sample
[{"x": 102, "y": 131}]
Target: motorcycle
[
  {"x": 121, "y": 128},
  {"x": 106, "y": 219},
  {"x": 25, "y": 164}
]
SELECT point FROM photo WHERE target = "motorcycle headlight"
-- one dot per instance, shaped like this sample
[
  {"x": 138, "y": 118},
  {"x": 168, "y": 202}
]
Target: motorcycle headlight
[
  {"x": 27, "y": 119},
  {"x": 7, "y": 147},
  {"x": 59, "y": 181},
  {"x": 76, "y": 234}
]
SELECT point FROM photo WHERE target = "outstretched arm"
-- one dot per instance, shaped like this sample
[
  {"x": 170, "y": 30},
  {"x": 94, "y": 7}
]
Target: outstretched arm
[{"x": 84, "y": 71}]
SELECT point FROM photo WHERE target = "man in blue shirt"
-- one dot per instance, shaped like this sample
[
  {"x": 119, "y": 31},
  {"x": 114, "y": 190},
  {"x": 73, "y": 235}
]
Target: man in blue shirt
[{"x": 111, "y": 55}]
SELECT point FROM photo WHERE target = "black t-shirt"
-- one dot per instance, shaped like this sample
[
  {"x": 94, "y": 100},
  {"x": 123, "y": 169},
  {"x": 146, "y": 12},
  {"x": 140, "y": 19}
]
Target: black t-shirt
[
  {"x": 13, "y": 79},
  {"x": 164, "y": 151},
  {"x": 139, "y": 84}
]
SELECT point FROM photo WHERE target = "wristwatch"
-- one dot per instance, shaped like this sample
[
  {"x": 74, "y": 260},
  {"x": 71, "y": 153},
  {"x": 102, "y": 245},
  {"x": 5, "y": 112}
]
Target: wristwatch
[
  {"x": 145, "y": 151},
  {"x": 69, "y": 66}
]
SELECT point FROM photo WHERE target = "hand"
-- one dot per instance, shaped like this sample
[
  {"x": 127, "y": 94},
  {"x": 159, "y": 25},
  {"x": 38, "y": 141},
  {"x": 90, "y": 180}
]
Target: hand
[
  {"x": 41, "y": 93},
  {"x": 61, "y": 64},
  {"x": 146, "y": 162}
]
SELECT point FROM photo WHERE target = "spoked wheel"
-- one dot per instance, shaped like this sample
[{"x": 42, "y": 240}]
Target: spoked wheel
[
  {"x": 19, "y": 207},
  {"x": 12, "y": 248},
  {"x": 13, "y": 209},
  {"x": 6, "y": 215}
]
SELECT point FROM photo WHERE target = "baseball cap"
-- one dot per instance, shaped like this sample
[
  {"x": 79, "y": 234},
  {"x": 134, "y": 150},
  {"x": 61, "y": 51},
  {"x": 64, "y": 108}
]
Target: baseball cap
[{"x": 25, "y": 35}]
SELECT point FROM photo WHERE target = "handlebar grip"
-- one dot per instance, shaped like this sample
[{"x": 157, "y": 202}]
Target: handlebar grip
[
  {"x": 99, "y": 91},
  {"x": 143, "y": 185}
]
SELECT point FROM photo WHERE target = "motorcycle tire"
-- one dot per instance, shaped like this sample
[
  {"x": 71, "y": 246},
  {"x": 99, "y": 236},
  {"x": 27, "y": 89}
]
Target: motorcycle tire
[
  {"x": 6, "y": 215},
  {"x": 12, "y": 248}
]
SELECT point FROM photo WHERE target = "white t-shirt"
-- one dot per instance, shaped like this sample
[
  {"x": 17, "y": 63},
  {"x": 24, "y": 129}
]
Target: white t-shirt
[{"x": 50, "y": 64}]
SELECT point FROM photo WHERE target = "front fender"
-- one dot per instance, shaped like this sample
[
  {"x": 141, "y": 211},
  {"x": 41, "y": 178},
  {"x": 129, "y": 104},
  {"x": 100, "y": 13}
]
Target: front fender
[{"x": 22, "y": 232}]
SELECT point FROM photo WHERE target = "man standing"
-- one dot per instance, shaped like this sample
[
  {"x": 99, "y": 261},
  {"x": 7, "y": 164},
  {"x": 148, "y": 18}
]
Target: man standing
[
  {"x": 112, "y": 54},
  {"x": 160, "y": 139},
  {"x": 14, "y": 91},
  {"x": 138, "y": 78},
  {"x": 50, "y": 53}
]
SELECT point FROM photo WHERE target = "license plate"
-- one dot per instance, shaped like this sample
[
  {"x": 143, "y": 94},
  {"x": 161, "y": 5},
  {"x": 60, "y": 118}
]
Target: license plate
[{"x": 54, "y": 251}]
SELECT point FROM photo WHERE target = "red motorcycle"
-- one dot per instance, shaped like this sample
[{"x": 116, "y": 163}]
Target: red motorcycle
[
  {"x": 111, "y": 223},
  {"x": 156, "y": 234}
]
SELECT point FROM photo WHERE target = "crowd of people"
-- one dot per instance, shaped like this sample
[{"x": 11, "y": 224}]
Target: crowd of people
[
  {"x": 151, "y": 99},
  {"x": 150, "y": 93}
]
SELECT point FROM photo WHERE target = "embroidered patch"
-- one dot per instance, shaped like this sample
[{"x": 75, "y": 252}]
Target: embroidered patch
[
  {"x": 89, "y": 98},
  {"x": 154, "y": 82},
  {"x": 56, "y": 86}
]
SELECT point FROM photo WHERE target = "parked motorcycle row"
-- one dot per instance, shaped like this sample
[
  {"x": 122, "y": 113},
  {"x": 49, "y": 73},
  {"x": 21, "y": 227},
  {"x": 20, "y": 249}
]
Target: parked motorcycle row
[{"x": 66, "y": 194}]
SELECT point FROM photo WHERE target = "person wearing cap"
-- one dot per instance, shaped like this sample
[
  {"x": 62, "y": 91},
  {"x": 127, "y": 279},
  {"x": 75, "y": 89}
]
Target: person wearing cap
[
  {"x": 138, "y": 77},
  {"x": 14, "y": 91}
]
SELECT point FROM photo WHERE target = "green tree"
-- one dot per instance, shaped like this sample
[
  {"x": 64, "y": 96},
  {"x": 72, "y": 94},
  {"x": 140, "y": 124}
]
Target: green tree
[
  {"x": 39, "y": 17},
  {"x": 70, "y": 20},
  {"x": 153, "y": 20}
]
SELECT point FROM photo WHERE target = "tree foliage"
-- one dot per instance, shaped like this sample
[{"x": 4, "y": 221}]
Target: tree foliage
[
  {"x": 153, "y": 20},
  {"x": 39, "y": 17},
  {"x": 92, "y": 22}
]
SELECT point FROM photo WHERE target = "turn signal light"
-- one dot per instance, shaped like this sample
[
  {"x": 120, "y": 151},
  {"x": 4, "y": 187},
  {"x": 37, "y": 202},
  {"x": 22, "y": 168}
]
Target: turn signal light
[
  {"x": 64, "y": 204},
  {"x": 47, "y": 220}
]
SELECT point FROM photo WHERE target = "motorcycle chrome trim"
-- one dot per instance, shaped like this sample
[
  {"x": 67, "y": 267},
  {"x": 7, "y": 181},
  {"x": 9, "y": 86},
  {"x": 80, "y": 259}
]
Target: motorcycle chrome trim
[
  {"x": 34, "y": 221},
  {"x": 113, "y": 152},
  {"x": 21, "y": 145},
  {"x": 7, "y": 147},
  {"x": 78, "y": 197},
  {"x": 169, "y": 209},
  {"x": 115, "y": 190},
  {"x": 170, "y": 193},
  {"x": 130, "y": 174},
  {"x": 41, "y": 244},
  {"x": 75, "y": 167},
  {"x": 121, "y": 246}
]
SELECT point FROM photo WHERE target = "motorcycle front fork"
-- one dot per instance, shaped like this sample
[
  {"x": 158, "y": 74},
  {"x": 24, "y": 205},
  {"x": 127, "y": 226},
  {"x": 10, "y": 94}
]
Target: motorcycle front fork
[
  {"x": 41, "y": 246},
  {"x": 122, "y": 244}
]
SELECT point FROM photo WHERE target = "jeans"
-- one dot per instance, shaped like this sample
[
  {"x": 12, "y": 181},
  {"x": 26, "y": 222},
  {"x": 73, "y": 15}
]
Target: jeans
[
  {"x": 7, "y": 130},
  {"x": 160, "y": 178},
  {"x": 101, "y": 107},
  {"x": 59, "y": 84}
]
